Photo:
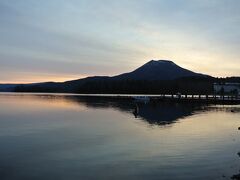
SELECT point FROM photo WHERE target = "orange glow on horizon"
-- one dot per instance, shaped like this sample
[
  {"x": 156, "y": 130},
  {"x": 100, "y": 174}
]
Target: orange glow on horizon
[{"x": 33, "y": 78}]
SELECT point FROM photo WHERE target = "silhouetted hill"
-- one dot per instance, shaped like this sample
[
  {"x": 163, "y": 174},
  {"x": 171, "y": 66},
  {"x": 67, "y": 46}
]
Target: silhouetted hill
[
  {"x": 154, "y": 77},
  {"x": 158, "y": 70},
  {"x": 8, "y": 87}
]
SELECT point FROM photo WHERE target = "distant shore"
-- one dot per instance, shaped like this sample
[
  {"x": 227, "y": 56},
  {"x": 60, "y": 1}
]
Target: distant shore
[{"x": 213, "y": 99}]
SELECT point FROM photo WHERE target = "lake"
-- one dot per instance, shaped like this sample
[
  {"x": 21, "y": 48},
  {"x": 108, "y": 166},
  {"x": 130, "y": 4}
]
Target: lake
[{"x": 48, "y": 136}]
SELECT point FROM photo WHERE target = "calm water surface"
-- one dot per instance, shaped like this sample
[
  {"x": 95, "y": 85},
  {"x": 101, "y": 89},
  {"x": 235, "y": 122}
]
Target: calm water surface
[{"x": 66, "y": 137}]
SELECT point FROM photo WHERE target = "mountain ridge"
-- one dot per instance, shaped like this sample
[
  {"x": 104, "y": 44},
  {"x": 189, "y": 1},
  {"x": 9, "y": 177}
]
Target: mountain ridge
[
  {"x": 158, "y": 70},
  {"x": 151, "y": 71}
]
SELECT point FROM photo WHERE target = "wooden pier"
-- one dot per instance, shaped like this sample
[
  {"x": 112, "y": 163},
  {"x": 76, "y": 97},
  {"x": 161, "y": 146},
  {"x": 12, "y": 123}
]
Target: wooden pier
[{"x": 214, "y": 99}]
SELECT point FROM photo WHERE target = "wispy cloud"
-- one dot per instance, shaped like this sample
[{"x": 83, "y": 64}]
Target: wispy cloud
[{"x": 108, "y": 37}]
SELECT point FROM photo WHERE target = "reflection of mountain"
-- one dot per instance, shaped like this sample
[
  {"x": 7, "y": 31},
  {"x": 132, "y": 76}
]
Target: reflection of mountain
[
  {"x": 162, "y": 114},
  {"x": 159, "y": 114}
]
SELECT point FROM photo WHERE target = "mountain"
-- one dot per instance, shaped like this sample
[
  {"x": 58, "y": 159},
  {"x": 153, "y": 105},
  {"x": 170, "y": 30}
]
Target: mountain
[
  {"x": 7, "y": 87},
  {"x": 156, "y": 76},
  {"x": 158, "y": 70}
]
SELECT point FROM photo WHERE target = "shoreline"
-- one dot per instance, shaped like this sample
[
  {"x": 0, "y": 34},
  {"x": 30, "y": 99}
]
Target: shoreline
[{"x": 208, "y": 99}]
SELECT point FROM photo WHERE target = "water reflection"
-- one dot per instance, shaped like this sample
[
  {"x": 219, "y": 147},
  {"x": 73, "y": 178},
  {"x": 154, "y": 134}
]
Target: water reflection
[
  {"x": 153, "y": 113},
  {"x": 71, "y": 137}
]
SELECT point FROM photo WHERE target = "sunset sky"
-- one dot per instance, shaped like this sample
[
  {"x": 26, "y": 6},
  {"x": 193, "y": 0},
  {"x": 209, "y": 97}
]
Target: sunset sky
[{"x": 57, "y": 40}]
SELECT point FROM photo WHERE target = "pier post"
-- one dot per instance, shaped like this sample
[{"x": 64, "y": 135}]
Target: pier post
[{"x": 179, "y": 96}]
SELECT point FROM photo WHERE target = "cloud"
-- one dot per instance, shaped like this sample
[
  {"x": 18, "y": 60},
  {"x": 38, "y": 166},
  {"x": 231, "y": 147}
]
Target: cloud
[{"x": 109, "y": 37}]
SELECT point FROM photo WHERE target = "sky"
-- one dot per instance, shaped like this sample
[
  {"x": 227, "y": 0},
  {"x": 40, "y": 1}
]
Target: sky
[{"x": 58, "y": 40}]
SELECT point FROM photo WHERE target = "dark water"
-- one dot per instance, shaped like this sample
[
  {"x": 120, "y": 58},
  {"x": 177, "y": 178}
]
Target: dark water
[{"x": 65, "y": 137}]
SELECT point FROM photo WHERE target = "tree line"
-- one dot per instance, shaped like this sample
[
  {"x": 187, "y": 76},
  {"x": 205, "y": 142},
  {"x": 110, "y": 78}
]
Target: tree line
[{"x": 189, "y": 85}]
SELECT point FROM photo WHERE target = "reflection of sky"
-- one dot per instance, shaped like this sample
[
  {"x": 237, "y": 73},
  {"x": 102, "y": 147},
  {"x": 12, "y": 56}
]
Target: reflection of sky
[
  {"x": 68, "y": 137},
  {"x": 60, "y": 39}
]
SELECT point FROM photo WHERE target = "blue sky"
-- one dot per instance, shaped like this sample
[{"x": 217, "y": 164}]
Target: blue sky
[{"x": 68, "y": 39}]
